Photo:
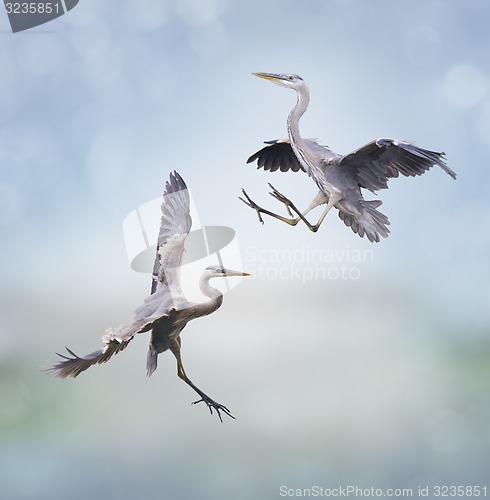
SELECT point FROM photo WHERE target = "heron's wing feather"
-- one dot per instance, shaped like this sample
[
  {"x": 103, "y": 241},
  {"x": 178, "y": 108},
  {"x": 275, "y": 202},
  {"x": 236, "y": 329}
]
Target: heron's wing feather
[
  {"x": 278, "y": 155},
  {"x": 376, "y": 162},
  {"x": 116, "y": 339},
  {"x": 174, "y": 227},
  {"x": 154, "y": 308},
  {"x": 73, "y": 365}
]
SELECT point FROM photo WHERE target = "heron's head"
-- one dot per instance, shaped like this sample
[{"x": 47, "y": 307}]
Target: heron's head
[
  {"x": 289, "y": 80},
  {"x": 222, "y": 272}
]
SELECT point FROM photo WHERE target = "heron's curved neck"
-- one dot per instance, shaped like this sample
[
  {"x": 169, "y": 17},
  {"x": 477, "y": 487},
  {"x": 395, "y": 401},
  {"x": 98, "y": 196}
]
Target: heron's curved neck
[
  {"x": 296, "y": 113},
  {"x": 215, "y": 295}
]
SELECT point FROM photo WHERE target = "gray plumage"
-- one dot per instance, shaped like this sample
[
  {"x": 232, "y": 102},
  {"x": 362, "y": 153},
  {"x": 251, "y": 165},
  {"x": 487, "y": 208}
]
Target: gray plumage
[
  {"x": 339, "y": 178},
  {"x": 165, "y": 312}
]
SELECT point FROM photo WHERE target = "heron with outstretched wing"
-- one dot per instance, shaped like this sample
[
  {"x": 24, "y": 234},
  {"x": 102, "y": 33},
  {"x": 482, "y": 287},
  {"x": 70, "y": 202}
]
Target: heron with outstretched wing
[
  {"x": 166, "y": 311},
  {"x": 339, "y": 178}
]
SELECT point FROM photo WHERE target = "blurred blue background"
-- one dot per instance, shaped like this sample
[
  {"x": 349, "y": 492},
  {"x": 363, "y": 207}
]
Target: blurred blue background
[{"x": 375, "y": 376}]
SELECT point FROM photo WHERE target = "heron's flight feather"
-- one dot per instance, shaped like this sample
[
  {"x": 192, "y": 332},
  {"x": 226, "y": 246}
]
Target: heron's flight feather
[
  {"x": 73, "y": 365},
  {"x": 175, "y": 225},
  {"x": 375, "y": 163},
  {"x": 278, "y": 155}
]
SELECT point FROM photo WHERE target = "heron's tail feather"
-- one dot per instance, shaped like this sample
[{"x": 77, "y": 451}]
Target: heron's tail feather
[
  {"x": 73, "y": 365},
  {"x": 371, "y": 222},
  {"x": 151, "y": 361}
]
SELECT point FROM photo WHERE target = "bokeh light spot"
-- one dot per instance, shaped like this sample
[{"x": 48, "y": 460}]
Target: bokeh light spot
[
  {"x": 146, "y": 15},
  {"x": 464, "y": 86},
  {"x": 201, "y": 11}
]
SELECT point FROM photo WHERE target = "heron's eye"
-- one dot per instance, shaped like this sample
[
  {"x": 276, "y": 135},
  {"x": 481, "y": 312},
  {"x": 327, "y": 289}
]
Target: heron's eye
[{"x": 290, "y": 78}]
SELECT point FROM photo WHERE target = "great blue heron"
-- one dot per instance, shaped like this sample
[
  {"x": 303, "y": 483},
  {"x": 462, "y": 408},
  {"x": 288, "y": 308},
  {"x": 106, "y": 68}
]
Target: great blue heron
[
  {"x": 339, "y": 178},
  {"x": 165, "y": 311}
]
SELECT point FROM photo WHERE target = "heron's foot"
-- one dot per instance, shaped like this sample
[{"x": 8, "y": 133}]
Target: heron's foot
[
  {"x": 249, "y": 202},
  {"x": 211, "y": 404},
  {"x": 280, "y": 197},
  {"x": 291, "y": 220}
]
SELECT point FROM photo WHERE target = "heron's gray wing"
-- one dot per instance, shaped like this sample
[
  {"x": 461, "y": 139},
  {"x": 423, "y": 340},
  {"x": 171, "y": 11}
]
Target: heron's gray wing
[
  {"x": 166, "y": 293},
  {"x": 174, "y": 227},
  {"x": 278, "y": 155},
  {"x": 115, "y": 340},
  {"x": 376, "y": 162}
]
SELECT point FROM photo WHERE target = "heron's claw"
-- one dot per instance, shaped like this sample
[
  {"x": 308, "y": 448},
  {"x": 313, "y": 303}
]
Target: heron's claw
[
  {"x": 280, "y": 197},
  {"x": 218, "y": 407},
  {"x": 287, "y": 203},
  {"x": 249, "y": 202}
]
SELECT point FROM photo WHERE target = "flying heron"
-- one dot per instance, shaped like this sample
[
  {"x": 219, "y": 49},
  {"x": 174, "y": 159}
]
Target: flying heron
[
  {"x": 165, "y": 311},
  {"x": 338, "y": 177}
]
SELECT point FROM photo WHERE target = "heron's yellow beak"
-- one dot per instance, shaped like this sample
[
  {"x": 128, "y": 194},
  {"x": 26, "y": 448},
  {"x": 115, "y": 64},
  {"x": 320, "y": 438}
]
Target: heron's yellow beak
[
  {"x": 273, "y": 77},
  {"x": 229, "y": 272}
]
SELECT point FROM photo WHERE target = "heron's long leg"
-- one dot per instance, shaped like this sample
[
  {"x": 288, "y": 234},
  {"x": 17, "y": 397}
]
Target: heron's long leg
[
  {"x": 175, "y": 348},
  {"x": 334, "y": 198},
  {"x": 319, "y": 200}
]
